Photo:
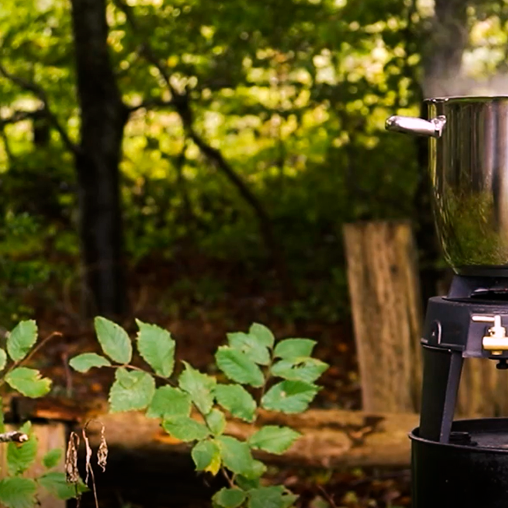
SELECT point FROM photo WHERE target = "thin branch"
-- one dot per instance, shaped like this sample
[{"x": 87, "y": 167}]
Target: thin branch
[
  {"x": 29, "y": 356},
  {"x": 139, "y": 369},
  {"x": 22, "y": 83},
  {"x": 146, "y": 50},
  {"x": 150, "y": 104},
  {"x": 183, "y": 108},
  {"x": 40, "y": 93},
  {"x": 20, "y": 116},
  {"x": 13, "y": 436},
  {"x": 41, "y": 344}
]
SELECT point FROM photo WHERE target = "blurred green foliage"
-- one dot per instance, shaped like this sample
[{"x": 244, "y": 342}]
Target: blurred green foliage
[{"x": 293, "y": 93}]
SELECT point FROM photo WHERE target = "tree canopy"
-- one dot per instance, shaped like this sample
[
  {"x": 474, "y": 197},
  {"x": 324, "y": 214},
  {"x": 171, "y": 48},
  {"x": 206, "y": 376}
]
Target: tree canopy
[{"x": 252, "y": 131}]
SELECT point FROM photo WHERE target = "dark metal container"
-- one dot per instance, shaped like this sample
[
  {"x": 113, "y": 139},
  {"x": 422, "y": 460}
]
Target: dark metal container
[
  {"x": 469, "y": 472},
  {"x": 468, "y": 164}
]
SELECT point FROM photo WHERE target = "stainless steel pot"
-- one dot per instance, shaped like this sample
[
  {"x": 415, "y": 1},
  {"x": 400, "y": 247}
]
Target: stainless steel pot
[{"x": 468, "y": 163}]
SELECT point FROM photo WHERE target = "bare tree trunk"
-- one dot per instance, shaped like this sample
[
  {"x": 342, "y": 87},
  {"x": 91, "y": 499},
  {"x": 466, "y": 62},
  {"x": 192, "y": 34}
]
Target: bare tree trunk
[
  {"x": 386, "y": 307},
  {"x": 103, "y": 117}
]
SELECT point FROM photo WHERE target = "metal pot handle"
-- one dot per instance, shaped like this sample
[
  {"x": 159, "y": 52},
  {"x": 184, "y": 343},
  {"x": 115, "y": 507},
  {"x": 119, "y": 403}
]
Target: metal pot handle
[{"x": 410, "y": 125}]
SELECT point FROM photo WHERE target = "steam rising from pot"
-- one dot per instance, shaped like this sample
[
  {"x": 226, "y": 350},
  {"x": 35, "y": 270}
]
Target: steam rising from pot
[
  {"x": 460, "y": 85},
  {"x": 459, "y": 47}
]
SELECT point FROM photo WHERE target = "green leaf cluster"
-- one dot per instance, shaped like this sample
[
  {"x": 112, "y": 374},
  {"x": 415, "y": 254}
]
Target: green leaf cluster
[
  {"x": 17, "y": 491},
  {"x": 192, "y": 405},
  {"x": 20, "y": 342}
]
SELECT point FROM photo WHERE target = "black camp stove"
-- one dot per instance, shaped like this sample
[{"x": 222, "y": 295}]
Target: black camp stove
[
  {"x": 464, "y": 464},
  {"x": 461, "y": 464},
  {"x": 467, "y": 323}
]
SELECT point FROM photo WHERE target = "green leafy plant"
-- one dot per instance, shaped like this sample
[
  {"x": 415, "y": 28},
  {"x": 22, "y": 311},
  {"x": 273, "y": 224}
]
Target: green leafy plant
[
  {"x": 17, "y": 491},
  {"x": 192, "y": 406}
]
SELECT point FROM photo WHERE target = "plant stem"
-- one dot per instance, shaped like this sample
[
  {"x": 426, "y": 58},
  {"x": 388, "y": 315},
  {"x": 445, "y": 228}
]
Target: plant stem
[
  {"x": 139, "y": 369},
  {"x": 262, "y": 390},
  {"x": 29, "y": 356},
  {"x": 231, "y": 481},
  {"x": 39, "y": 346}
]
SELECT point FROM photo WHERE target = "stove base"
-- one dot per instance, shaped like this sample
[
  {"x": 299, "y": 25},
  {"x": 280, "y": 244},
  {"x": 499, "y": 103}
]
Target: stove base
[{"x": 471, "y": 471}]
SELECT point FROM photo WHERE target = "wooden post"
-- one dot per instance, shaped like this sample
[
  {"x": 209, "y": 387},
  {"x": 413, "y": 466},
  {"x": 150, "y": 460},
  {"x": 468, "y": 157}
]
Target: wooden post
[
  {"x": 387, "y": 316},
  {"x": 483, "y": 390}
]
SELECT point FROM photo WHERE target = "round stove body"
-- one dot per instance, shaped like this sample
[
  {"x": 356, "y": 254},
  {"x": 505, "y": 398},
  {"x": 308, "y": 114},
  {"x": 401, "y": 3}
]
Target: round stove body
[{"x": 470, "y": 471}]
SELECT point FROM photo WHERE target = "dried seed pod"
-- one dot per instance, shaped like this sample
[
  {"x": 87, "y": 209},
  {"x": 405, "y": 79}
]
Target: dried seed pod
[
  {"x": 88, "y": 463},
  {"x": 71, "y": 459},
  {"x": 102, "y": 453}
]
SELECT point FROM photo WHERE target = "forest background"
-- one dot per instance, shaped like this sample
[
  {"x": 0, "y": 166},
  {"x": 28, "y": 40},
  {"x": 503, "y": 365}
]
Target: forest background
[{"x": 192, "y": 163}]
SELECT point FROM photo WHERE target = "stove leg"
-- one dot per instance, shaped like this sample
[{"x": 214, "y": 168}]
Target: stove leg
[{"x": 441, "y": 377}]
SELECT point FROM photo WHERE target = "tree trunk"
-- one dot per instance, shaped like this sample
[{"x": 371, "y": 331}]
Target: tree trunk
[
  {"x": 103, "y": 117},
  {"x": 387, "y": 317}
]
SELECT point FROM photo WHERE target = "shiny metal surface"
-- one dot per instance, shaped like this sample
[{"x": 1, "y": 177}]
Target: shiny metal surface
[
  {"x": 417, "y": 126},
  {"x": 468, "y": 166}
]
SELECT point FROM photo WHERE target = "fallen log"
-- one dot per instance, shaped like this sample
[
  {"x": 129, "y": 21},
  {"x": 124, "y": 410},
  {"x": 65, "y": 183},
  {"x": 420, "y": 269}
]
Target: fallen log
[{"x": 330, "y": 438}]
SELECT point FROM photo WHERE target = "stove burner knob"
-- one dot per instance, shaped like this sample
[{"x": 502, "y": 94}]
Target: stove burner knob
[{"x": 496, "y": 341}]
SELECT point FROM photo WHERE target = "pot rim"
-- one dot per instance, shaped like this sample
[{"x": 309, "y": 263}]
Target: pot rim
[{"x": 466, "y": 99}]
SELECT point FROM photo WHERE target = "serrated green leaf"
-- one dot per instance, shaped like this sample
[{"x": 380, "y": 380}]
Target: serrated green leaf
[
  {"x": 17, "y": 492},
  {"x": 263, "y": 334},
  {"x": 86, "y": 361},
  {"x": 270, "y": 497},
  {"x": 229, "y": 498},
  {"x": 169, "y": 401},
  {"x": 114, "y": 340},
  {"x": 250, "y": 346},
  {"x": 124, "y": 377},
  {"x": 20, "y": 456},
  {"x": 185, "y": 428},
  {"x": 157, "y": 348},
  {"x": 132, "y": 390},
  {"x": 256, "y": 470},
  {"x": 21, "y": 339},
  {"x": 289, "y": 396},
  {"x": 273, "y": 439},
  {"x": 247, "y": 483},
  {"x": 56, "y": 484},
  {"x": 238, "y": 367},
  {"x": 28, "y": 382},
  {"x": 52, "y": 458},
  {"x": 237, "y": 400},
  {"x": 293, "y": 348},
  {"x": 3, "y": 359},
  {"x": 206, "y": 456},
  {"x": 216, "y": 421},
  {"x": 199, "y": 386},
  {"x": 236, "y": 455},
  {"x": 299, "y": 369}
]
